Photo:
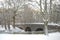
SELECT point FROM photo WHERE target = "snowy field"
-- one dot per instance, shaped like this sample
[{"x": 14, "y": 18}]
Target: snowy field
[{"x": 50, "y": 36}]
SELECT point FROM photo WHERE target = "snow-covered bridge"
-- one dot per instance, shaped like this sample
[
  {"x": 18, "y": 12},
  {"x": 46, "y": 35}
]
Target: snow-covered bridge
[{"x": 37, "y": 26}]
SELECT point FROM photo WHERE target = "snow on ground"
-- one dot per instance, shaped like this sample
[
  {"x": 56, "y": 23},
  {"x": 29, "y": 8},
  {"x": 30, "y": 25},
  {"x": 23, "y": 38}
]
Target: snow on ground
[
  {"x": 2, "y": 29},
  {"x": 54, "y": 36},
  {"x": 51, "y": 36}
]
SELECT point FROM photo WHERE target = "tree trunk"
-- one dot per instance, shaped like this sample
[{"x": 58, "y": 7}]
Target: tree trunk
[
  {"x": 45, "y": 27},
  {"x": 46, "y": 19},
  {"x": 13, "y": 21},
  {"x": 8, "y": 25},
  {"x": 50, "y": 11},
  {"x": 2, "y": 24},
  {"x": 5, "y": 24}
]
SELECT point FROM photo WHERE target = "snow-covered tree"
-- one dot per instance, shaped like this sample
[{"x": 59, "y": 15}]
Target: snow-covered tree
[{"x": 15, "y": 5}]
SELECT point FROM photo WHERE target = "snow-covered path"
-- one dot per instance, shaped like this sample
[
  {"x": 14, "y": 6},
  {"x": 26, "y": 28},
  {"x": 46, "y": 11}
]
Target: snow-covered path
[{"x": 51, "y": 36}]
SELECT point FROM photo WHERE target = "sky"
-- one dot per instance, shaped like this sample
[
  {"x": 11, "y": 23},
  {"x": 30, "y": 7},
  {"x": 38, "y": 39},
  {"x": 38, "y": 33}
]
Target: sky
[{"x": 1, "y": 0}]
